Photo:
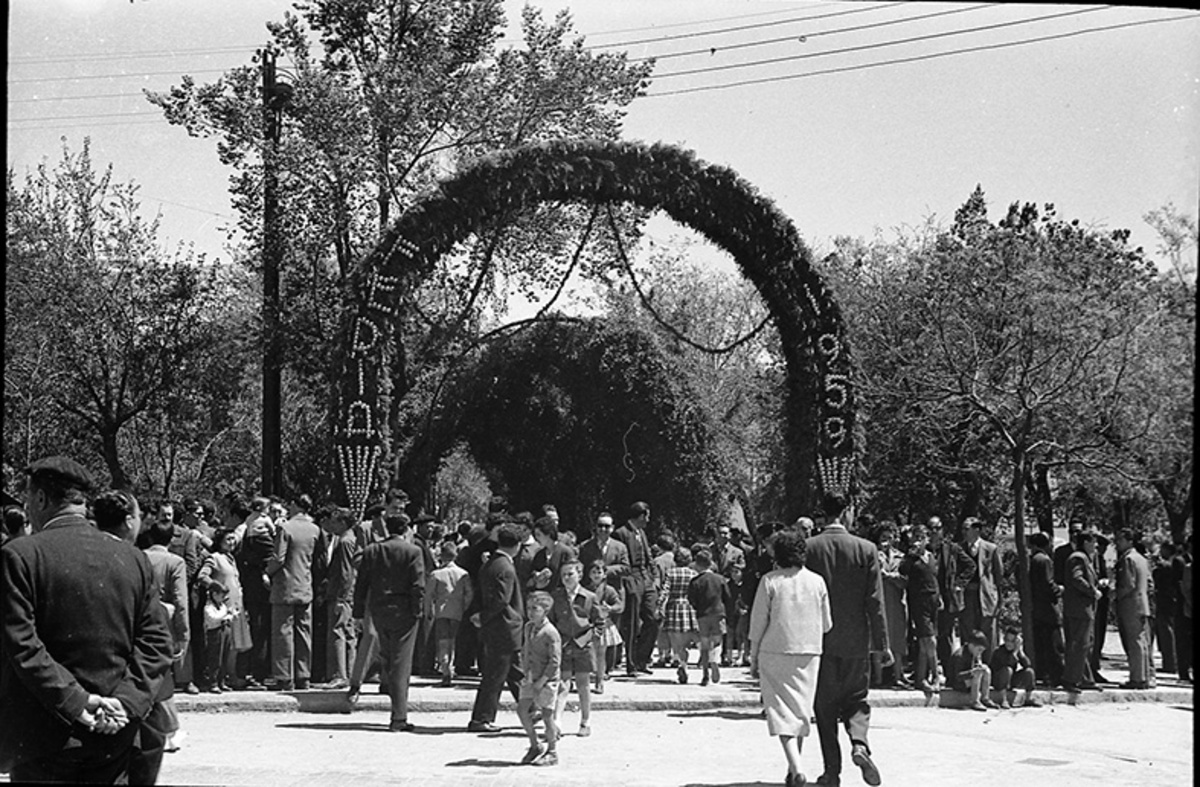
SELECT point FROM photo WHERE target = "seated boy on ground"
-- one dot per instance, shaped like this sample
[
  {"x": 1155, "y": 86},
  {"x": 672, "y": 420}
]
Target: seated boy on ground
[
  {"x": 968, "y": 672},
  {"x": 1011, "y": 671}
]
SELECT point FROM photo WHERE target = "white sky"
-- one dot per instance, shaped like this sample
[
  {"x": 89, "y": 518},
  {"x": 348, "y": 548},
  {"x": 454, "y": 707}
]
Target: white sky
[{"x": 1105, "y": 125}]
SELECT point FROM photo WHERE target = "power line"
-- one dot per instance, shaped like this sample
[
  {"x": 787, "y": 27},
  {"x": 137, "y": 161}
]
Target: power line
[
  {"x": 740, "y": 28},
  {"x": 130, "y": 55},
  {"x": 702, "y": 22},
  {"x": 918, "y": 58},
  {"x": 803, "y": 38},
  {"x": 881, "y": 44},
  {"x": 149, "y": 198},
  {"x": 81, "y": 124},
  {"x": 72, "y": 98},
  {"x": 84, "y": 117},
  {"x": 115, "y": 76}
]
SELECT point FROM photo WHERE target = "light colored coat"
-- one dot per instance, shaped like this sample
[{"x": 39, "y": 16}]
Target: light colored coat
[{"x": 791, "y": 613}]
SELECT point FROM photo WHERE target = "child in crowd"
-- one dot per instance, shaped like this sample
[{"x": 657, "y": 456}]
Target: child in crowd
[
  {"x": 448, "y": 593},
  {"x": 679, "y": 619},
  {"x": 708, "y": 593},
  {"x": 924, "y": 599},
  {"x": 577, "y": 617},
  {"x": 218, "y": 619},
  {"x": 969, "y": 673},
  {"x": 541, "y": 659},
  {"x": 1011, "y": 670},
  {"x": 611, "y": 602},
  {"x": 737, "y": 621},
  {"x": 567, "y": 538}
]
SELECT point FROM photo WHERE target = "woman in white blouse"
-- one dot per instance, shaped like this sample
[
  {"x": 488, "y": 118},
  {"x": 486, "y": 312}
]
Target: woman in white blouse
[{"x": 787, "y": 627}]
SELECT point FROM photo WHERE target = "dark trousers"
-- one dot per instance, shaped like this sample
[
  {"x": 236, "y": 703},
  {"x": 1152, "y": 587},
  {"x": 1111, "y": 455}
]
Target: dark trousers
[
  {"x": 258, "y": 658},
  {"x": 498, "y": 667},
  {"x": 1079, "y": 632},
  {"x": 947, "y": 623},
  {"x": 396, "y": 651},
  {"x": 1183, "y": 645},
  {"x": 842, "y": 686},
  {"x": 196, "y": 647},
  {"x": 973, "y": 619},
  {"x": 291, "y": 641},
  {"x": 1048, "y": 650},
  {"x": 88, "y": 764},
  {"x": 1099, "y": 631},
  {"x": 466, "y": 648},
  {"x": 639, "y": 627},
  {"x": 341, "y": 640},
  {"x": 1164, "y": 632}
]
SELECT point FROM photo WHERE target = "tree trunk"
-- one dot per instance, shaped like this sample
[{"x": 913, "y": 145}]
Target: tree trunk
[
  {"x": 1024, "y": 591},
  {"x": 108, "y": 447},
  {"x": 1179, "y": 511},
  {"x": 1038, "y": 480}
]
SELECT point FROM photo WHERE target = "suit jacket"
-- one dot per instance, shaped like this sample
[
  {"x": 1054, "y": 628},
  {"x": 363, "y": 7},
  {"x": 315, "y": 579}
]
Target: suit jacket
[
  {"x": 342, "y": 571},
  {"x": 1079, "y": 592},
  {"x": 1044, "y": 591},
  {"x": 987, "y": 559},
  {"x": 290, "y": 566},
  {"x": 523, "y": 563},
  {"x": 81, "y": 616},
  {"x": 726, "y": 557},
  {"x": 170, "y": 580},
  {"x": 500, "y": 617},
  {"x": 850, "y": 567},
  {"x": 614, "y": 555},
  {"x": 954, "y": 569},
  {"x": 641, "y": 564},
  {"x": 1133, "y": 584},
  {"x": 254, "y": 550},
  {"x": 391, "y": 583}
]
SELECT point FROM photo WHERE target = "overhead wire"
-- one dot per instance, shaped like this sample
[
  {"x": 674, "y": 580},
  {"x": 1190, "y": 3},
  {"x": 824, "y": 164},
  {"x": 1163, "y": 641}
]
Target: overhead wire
[
  {"x": 918, "y": 58},
  {"x": 882, "y": 44}
]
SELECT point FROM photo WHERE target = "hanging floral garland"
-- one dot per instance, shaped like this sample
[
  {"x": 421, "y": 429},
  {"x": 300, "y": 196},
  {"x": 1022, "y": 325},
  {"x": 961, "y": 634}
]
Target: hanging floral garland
[{"x": 710, "y": 199}]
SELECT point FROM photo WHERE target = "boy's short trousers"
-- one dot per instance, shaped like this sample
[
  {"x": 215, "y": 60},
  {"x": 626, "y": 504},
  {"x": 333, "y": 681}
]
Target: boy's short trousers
[
  {"x": 711, "y": 625},
  {"x": 543, "y": 699},
  {"x": 445, "y": 628},
  {"x": 577, "y": 659}
]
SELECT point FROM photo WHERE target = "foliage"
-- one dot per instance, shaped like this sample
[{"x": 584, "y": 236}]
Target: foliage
[
  {"x": 585, "y": 414},
  {"x": 105, "y": 330}
]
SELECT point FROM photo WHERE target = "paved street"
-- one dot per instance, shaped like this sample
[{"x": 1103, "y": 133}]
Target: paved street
[{"x": 1143, "y": 744}]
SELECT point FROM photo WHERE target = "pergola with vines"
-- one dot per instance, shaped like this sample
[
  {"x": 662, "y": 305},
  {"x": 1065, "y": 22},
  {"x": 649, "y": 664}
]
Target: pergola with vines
[{"x": 710, "y": 199}]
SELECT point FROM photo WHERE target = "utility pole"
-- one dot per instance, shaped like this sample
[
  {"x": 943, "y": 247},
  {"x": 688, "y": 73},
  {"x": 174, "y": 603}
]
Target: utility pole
[{"x": 274, "y": 99}]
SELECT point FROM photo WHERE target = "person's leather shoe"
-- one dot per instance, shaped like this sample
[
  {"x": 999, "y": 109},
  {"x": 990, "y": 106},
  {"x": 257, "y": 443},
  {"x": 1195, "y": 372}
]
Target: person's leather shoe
[
  {"x": 302, "y": 684},
  {"x": 862, "y": 758},
  {"x": 401, "y": 726},
  {"x": 482, "y": 726},
  {"x": 1129, "y": 684},
  {"x": 192, "y": 688},
  {"x": 352, "y": 695},
  {"x": 829, "y": 780},
  {"x": 1089, "y": 687}
]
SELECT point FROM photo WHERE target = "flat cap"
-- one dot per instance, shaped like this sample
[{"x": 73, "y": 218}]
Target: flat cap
[{"x": 63, "y": 469}]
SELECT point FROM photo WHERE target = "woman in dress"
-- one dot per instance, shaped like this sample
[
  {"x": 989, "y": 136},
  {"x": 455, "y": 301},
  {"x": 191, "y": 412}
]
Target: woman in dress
[
  {"x": 678, "y": 617},
  {"x": 220, "y": 568},
  {"x": 787, "y": 630},
  {"x": 612, "y": 604}
]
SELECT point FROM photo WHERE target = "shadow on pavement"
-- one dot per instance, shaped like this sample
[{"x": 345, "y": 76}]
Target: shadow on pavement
[
  {"x": 359, "y": 726},
  {"x": 483, "y": 764},
  {"x": 728, "y": 715},
  {"x": 734, "y": 784}
]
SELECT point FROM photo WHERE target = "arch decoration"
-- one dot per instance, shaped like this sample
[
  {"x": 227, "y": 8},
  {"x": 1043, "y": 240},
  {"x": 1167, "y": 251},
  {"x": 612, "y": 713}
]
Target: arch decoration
[{"x": 710, "y": 199}]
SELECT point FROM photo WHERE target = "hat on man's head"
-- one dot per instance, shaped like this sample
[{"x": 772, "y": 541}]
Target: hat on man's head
[{"x": 63, "y": 469}]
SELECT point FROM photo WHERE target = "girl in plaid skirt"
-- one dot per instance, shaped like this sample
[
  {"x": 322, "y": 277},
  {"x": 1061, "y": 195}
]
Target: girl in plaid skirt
[{"x": 678, "y": 617}]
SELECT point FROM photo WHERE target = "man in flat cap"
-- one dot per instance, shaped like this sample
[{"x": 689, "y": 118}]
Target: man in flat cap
[{"x": 84, "y": 648}]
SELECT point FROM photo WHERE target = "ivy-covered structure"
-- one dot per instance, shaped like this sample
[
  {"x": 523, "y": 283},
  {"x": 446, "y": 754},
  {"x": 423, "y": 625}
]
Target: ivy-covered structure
[{"x": 710, "y": 199}]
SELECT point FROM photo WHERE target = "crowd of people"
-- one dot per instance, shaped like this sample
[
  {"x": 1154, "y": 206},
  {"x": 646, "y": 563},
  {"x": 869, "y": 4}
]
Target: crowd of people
[{"x": 284, "y": 595}]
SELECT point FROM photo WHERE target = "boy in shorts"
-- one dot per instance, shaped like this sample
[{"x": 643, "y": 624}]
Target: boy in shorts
[
  {"x": 541, "y": 658},
  {"x": 1012, "y": 671},
  {"x": 968, "y": 672},
  {"x": 708, "y": 593},
  {"x": 577, "y": 616}
]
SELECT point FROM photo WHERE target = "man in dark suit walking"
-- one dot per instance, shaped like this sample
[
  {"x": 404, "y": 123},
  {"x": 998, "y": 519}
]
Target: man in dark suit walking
[
  {"x": 499, "y": 621},
  {"x": 850, "y": 567},
  {"x": 86, "y": 644},
  {"x": 290, "y": 570},
  {"x": 391, "y": 586},
  {"x": 639, "y": 625}
]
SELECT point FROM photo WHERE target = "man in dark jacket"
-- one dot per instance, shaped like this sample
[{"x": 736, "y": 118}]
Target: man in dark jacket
[
  {"x": 391, "y": 580},
  {"x": 1047, "y": 612},
  {"x": 499, "y": 621},
  {"x": 850, "y": 567},
  {"x": 85, "y": 644}
]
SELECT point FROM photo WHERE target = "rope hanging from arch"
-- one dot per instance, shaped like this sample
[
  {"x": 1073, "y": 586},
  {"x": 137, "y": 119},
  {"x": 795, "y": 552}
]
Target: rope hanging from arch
[{"x": 710, "y": 199}]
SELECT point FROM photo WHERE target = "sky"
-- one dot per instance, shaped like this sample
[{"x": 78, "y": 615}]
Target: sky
[{"x": 1104, "y": 124}]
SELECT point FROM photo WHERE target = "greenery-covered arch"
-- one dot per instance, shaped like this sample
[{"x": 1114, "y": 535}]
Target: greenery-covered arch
[{"x": 710, "y": 199}]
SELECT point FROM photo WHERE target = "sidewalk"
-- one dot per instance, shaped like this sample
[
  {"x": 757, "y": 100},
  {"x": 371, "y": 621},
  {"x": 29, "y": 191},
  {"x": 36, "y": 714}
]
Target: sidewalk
[{"x": 660, "y": 691}]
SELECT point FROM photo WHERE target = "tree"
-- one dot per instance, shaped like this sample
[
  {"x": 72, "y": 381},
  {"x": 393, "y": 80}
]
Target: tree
[
  {"x": 104, "y": 327},
  {"x": 1020, "y": 335},
  {"x": 385, "y": 97}
]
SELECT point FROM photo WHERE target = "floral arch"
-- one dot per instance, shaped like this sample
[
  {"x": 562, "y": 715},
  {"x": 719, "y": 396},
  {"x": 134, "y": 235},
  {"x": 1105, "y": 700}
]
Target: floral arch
[{"x": 710, "y": 199}]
